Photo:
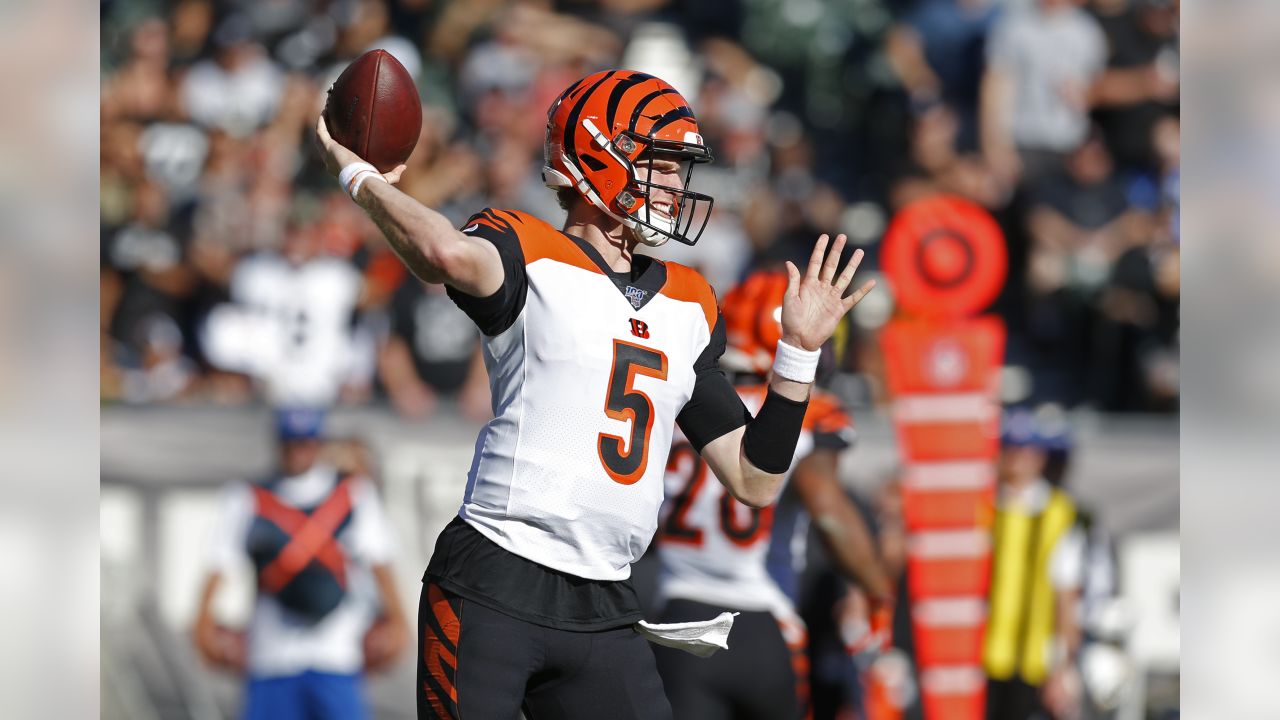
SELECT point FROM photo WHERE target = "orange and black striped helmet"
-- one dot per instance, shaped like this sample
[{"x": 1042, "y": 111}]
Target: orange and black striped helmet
[
  {"x": 752, "y": 313},
  {"x": 603, "y": 133}
]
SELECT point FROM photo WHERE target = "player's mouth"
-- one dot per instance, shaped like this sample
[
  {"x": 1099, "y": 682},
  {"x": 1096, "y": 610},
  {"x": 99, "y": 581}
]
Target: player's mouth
[{"x": 663, "y": 208}]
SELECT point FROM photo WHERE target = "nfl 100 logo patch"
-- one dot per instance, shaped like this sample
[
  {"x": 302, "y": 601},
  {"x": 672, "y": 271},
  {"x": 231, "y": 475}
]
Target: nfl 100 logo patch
[{"x": 635, "y": 295}]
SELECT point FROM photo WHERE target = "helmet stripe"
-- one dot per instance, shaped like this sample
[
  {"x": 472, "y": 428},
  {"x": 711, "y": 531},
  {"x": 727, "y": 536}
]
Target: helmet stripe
[
  {"x": 573, "y": 89},
  {"x": 644, "y": 103},
  {"x": 619, "y": 90},
  {"x": 671, "y": 116},
  {"x": 571, "y": 123}
]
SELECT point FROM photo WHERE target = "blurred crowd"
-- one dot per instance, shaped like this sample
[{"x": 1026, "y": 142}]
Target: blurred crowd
[{"x": 234, "y": 270}]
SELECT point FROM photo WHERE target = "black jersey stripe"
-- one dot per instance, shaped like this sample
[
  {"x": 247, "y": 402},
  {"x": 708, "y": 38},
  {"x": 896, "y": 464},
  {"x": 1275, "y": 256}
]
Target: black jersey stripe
[
  {"x": 511, "y": 217},
  {"x": 496, "y": 219}
]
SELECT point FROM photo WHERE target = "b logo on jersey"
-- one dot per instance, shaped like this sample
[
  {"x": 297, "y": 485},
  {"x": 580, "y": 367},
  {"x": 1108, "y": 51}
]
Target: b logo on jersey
[
  {"x": 635, "y": 295},
  {"x": 639, "y": 328}
]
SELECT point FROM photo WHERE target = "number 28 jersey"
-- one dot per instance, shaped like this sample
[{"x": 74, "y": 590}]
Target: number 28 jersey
[
  {"x": 589, "y": 369},
  {"x": 714, "y": 549}
]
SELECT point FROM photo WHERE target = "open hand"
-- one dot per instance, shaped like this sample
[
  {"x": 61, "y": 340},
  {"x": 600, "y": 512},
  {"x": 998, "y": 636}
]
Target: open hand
[
  {"x": 337, "y": 157},
  {"x": 814, "y": 303}
]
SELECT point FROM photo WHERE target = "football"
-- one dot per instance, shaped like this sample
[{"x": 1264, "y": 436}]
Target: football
[{"x": 373, "y": 109}]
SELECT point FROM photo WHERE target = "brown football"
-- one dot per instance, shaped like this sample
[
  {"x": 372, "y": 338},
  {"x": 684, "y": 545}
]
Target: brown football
[{"x": 373, "y": 109}]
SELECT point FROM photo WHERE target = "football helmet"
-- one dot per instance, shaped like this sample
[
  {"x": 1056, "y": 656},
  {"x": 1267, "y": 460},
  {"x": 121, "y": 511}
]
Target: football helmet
[
  {"x": 603, "y": 134},
  {"x": 752, "y": 313}
]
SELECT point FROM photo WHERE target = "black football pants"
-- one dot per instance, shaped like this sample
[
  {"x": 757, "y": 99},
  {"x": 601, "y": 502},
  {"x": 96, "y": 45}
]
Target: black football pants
[
  {"x": 757, "y": 678},
  {"x": 475, "y": 663}
]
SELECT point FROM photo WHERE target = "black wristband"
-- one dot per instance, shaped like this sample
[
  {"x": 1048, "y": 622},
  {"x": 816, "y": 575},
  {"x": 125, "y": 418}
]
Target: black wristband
[{"x": 771, "y": 437}]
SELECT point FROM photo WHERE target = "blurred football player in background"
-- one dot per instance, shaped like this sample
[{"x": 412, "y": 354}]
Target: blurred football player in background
[
  {"x": 326, "y": 608},
  {"x": 718, "y": 554},
  {"x": 594, "y": 353},
  {"x": 289, "y": 323}
]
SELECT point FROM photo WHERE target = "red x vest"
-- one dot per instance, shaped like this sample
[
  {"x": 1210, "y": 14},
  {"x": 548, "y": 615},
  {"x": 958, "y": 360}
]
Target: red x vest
[{"x": 296, "y": 551}]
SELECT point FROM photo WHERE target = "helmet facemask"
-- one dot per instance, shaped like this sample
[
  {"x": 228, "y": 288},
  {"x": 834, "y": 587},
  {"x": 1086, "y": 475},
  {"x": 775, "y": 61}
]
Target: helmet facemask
[{"x": 653, "y": 223}]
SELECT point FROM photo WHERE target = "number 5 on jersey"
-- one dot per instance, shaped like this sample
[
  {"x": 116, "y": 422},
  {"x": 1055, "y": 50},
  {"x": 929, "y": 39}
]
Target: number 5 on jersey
[{"x": 624, "y": 402}]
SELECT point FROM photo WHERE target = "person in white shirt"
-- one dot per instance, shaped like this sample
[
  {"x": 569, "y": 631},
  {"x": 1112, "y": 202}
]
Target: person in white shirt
[
  {"x": 290, "y": 323},
  {"x": 326, "y": 609},
  {"x": 1042, "y": 62}
]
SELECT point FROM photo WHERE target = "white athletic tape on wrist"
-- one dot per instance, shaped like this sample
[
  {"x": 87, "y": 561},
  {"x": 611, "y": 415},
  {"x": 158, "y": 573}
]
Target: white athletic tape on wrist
[
  {"x": 797, "y": 364},
  {"x": 353, "y": 176}
]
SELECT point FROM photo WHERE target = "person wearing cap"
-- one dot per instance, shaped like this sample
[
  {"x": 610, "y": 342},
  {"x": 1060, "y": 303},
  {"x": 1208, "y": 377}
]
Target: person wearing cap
[
  {"x": 326, "y": 608},
  {"x": 1033, "y": 632}
]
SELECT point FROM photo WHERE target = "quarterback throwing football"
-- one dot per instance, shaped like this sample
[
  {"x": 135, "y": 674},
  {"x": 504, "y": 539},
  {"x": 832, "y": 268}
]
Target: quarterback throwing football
[{"x": 595, "y": 353}]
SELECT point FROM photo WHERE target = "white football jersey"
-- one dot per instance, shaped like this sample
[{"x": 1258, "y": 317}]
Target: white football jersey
[
  {"x": 289, "y": 327},
  {"x": 588, "y": 369},
  {"x": 713, "y": 548}
]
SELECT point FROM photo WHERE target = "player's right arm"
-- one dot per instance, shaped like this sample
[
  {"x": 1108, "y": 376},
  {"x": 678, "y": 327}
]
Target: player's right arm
[{"x": 424, "y": 240}]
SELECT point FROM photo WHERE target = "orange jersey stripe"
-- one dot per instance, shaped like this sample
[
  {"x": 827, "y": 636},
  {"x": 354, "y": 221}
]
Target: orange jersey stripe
[
  {"x": 540, "y": 241},
  {"x": 685, "y": 284}
]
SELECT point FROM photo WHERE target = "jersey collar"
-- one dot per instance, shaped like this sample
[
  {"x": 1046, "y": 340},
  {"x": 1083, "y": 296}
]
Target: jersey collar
[{"x": 639, "y": 285}]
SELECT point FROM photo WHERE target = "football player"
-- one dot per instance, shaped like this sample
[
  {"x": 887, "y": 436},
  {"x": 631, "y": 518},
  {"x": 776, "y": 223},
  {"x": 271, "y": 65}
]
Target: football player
[
  {"x": 717, "y": 553},
  {"x": 595, "y": 352}
]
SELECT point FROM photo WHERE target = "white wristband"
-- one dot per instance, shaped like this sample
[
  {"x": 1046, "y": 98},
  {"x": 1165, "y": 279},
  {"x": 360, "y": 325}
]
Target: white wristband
[
  {"x": 353, "y": 176},
  {"x": 796, "y": 364}
]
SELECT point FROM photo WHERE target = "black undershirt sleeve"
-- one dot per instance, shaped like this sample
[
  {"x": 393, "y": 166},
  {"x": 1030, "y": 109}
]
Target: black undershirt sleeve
[
  {"x": 715, "y": 407},
  {"x": 497, "y": 312}
]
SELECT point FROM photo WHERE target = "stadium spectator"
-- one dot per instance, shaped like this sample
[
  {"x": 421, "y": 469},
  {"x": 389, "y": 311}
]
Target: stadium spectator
[
  {"x": 1042, "y": 60},
  {"x": 433, "y": 350},
  {"x": 210, "y": 102},
  {"x": 289, "y": 323},
  {"x": 1140, "y": 84},
  {"x": 937, "y": 50},
  {"x": 239, "y": 88},
  {"x": 1080, "y": 221},
  {"x": 326, "y": 609}
]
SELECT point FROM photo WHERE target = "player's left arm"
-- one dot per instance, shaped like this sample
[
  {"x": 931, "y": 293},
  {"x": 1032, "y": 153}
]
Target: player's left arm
[
  {"x": 752, "y": 461},
  {"x": 839, "y": 523}
]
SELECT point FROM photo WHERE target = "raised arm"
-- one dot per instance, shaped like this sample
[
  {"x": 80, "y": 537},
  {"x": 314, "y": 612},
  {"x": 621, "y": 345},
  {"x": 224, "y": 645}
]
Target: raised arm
[
  {"x": 752, "y": 461},
  {"x": 423, "y": 239}
]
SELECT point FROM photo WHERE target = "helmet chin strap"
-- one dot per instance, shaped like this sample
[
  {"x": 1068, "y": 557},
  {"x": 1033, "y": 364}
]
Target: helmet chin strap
[{"x": 648, "y": 235}]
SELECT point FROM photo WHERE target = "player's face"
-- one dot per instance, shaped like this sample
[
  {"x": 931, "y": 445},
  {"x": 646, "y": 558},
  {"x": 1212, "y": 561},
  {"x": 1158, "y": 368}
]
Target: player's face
[
  {"x": 297, "y": 456},
  {"x": 670, "y": 173},
  {"x": 1021, "y": 464}
]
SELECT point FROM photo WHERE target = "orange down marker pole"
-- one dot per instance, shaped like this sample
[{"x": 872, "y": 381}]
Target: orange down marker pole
[{"x": 945, "y": 258}]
